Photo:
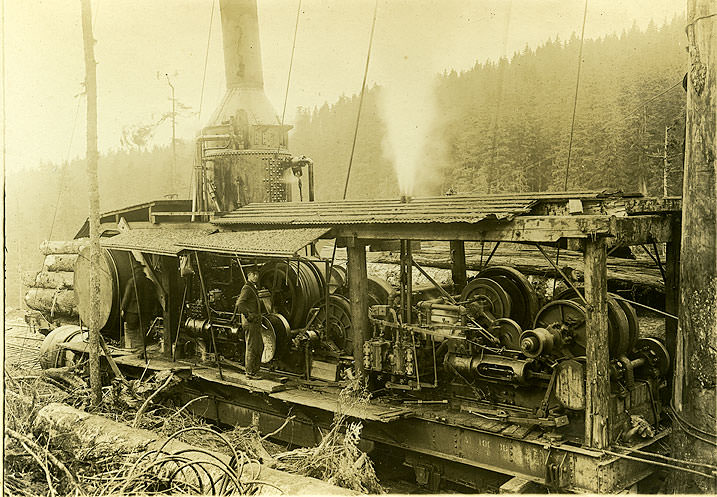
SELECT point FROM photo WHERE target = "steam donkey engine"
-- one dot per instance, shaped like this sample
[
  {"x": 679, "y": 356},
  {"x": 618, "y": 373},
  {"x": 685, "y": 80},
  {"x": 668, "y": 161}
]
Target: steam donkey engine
[{"x": 491, "y": 348}]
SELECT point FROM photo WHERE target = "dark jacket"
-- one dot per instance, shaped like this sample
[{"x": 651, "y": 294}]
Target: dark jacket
[
  {"x": 248, "y": 302},
  {"x": 144, "y": 294}
]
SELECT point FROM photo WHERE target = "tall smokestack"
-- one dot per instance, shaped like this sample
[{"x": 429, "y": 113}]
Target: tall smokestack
[
  {"x": 243, "y": 148},
  {"x": 242, "y": 50},
  {"x": 245, "y": 99}
]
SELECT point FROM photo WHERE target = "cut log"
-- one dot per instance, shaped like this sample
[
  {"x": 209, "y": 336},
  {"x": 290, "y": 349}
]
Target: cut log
[
  {"x": 28, "y": 278},
  {"x": 60, "y": 262},
  {"x": 63, "y": 246},
  {"x": 53, "y": 279},
  {"x": 72, "y": 429},
  {"x": 52, "y": 301}
]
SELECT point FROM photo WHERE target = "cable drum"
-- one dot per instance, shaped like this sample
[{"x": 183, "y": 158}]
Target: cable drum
[{"x": 294, "y": 286}]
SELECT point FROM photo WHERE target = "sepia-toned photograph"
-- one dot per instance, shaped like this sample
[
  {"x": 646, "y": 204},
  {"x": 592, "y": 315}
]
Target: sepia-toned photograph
[{"x": 344, "y": 247}]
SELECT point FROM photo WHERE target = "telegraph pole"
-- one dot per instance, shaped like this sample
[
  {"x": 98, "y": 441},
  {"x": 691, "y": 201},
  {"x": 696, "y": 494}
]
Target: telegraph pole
[
  {"x": 94, "y": 216},
  {"x": 694, "y": 435}
]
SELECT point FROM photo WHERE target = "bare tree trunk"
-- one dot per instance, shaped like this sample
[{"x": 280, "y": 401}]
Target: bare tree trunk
[
  {"x": 664, "y": 165},
  {"x": 92, "y": 158},
  {"x": 695, "y": 399}
]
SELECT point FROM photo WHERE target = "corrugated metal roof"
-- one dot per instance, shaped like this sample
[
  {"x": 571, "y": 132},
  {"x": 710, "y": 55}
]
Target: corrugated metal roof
[
  {"x": 153, "y": 241},
  {"x": 448, "y": 209},
  {"x": 285, "y": 243}
]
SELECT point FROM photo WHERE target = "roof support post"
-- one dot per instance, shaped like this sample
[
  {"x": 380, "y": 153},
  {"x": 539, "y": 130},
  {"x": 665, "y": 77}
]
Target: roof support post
[
  {"x": 406, "y": 280},
  {"x": 358, "y": 297},
  {"x": 597, "y": 378},
  {"x": 458, "y": 265},
  {"x": 169, "y": 276}
]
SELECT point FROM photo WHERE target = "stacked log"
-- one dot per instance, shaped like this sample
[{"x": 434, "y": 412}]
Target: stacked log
[
  {"x": 52, "y": 301},
  {"x": 51, "y": 290},
  {"x": 60, "y": 262},
  {"x": 49, "y": 279}
]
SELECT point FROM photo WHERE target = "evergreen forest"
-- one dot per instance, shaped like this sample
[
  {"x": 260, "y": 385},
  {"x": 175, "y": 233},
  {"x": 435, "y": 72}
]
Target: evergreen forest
[
  {"x": 501, "y": 126},
  {"x": 504, "y": 126}
]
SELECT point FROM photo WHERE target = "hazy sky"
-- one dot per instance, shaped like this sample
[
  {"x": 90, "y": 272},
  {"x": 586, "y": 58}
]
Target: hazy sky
[{"x": 139, "y": 40}]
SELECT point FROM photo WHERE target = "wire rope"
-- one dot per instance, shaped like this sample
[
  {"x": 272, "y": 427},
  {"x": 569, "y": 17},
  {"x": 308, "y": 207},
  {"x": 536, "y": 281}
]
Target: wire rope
[
  {"x": 206, "y": 60},
  {"x": 572, "y": 123},
  {"x": 363, "y": 91},
  {"x": 657, "y": 463},
  {"x": 575, "y": 99},
  {"x": 291, "y": 65}
]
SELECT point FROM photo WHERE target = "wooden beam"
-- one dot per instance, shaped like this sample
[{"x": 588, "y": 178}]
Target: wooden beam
[
  {"x": 637, "y": 230},
  {"x": 458, "y": 264},
  {"x": 358, "y": 297},
  {"x": 519, "y": 229},
  {"x": 597, "y": 377},
  {"x": 672, "y": 285}
]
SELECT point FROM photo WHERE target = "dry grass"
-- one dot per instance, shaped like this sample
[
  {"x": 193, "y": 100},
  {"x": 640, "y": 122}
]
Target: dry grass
[{"x": 105, "y": 470}]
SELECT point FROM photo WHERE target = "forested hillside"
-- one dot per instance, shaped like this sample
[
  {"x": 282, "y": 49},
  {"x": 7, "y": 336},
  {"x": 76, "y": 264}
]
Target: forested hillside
[
  {"x": 51, "y": 201},
  {"x": 502, "y": 126},
  {"x": 505, "y": 126}
]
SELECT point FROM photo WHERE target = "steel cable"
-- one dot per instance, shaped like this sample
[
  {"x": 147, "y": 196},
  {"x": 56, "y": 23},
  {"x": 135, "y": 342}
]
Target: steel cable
[
  {"x": 363, "y": 91},
  {"x": 657, "y": 463}
]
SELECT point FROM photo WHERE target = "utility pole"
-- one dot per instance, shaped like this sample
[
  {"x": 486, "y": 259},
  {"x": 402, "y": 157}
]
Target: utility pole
[
  {"x": 694, "y": 431},
  {"x": 94, "y": 217},
  {"x": 174, "y": 140}
]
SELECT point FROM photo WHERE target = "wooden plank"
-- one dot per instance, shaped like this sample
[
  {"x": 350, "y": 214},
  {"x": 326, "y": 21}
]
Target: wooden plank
[
  {"x": 153, "y": 364},
  {"x": 510, "y": 430},
  {"x": 523, "y": 431},
  {"x": 358, "y": 297},
  {"x": 329, "y": 401},
  {"x": 518, "y": 485},
  {"x": 597, "y": 378},
  {"x": 239, "y": 380}
]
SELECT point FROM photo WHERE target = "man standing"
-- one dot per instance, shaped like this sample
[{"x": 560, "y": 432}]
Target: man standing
[
  {"x": 137, "y": 307},
  {"x": 249, "y": 305}
]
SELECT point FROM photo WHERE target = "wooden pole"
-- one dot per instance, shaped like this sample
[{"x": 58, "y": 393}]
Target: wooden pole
[
  {"x": 458, "y": 264},
  {"x": 672, "y": 283},
  {"x": 94, "y": 214},
  {"x": 597, "y": 376},
  {"x": 695, "y": 371},
  {"x": 358, "y": 296},
  {"x": 173, "y": 301}
]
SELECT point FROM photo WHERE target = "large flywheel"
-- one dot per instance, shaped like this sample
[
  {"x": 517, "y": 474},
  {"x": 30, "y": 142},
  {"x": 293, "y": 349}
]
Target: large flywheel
[
  {"x": 294, "y": 285},
  {"x": 335, "y": 327},
  {"x": 622, "y": 322},
  {"x": 275, "y": 336},
  {"x": 484, "y": 296},
  {"x": 524, "y": 300},
  {"x": 568, "y": 317}
]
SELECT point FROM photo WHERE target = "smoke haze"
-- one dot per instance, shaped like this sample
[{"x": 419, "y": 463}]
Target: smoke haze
[
  {"x": 408, "y": 108},
  {"x": 408, "y": 99}
]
